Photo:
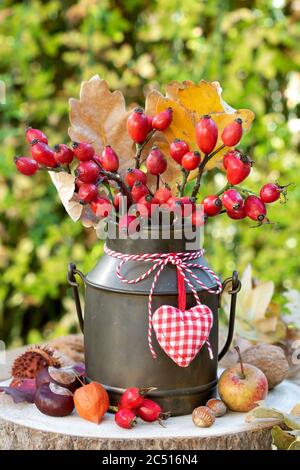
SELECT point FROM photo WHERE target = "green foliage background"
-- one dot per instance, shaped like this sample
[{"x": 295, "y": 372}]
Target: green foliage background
[{"x": 49, "y": 47}]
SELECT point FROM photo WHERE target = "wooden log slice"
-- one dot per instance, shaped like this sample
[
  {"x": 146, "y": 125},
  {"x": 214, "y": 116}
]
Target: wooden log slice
[{"x": 22, "y": 426}]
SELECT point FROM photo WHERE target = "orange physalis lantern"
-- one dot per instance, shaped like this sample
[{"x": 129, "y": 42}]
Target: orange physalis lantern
[{"x": 91, "y": 402}]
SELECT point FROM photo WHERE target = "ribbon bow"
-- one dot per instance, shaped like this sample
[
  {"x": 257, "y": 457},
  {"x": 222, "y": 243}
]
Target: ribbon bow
[{"x": 159, "y": 260}]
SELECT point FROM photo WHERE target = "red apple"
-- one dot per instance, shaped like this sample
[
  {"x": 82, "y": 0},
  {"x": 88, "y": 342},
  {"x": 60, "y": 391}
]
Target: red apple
[{"x": 242, "y": 386}]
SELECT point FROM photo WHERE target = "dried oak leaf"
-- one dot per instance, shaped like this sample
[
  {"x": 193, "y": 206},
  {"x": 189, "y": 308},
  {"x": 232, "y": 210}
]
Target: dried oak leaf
[
  {"x": 190, "y": 102},
  {"x": 65, "y": 186},
  {"x": 100, "y": 117}
]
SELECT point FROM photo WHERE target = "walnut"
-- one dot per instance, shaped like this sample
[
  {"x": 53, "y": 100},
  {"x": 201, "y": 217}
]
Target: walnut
[{"x": 270, "y": 359}]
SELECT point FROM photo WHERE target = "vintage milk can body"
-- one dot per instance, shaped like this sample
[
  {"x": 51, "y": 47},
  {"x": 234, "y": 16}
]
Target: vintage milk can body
[{"x": 116, "y": 327}]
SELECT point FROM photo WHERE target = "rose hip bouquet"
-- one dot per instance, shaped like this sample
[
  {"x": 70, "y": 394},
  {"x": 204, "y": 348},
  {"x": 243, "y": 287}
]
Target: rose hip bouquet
[{"x": 165, "y": 148}]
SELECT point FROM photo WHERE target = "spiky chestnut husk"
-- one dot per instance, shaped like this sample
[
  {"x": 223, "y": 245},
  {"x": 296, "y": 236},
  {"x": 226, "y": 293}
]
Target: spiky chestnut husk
[{"x": 33, "y": 360}]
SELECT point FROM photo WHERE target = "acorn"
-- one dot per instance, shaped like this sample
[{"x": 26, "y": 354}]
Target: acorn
[
  {"x": 203, "y": 417},
  {"x": 217, "y": 407}
]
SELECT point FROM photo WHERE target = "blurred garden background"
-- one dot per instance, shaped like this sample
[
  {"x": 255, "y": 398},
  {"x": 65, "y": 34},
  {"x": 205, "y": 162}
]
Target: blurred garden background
[{"x": 49, "y": 47}]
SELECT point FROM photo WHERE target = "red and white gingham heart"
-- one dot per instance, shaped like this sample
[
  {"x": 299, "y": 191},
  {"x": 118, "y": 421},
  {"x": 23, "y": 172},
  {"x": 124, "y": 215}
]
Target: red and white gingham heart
[{"x": 181, "y": 334}]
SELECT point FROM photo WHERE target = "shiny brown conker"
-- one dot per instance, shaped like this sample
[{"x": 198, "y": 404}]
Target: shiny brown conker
[
  {"x": 44, "y": 377},
  {"x": 54, "y": 404}
]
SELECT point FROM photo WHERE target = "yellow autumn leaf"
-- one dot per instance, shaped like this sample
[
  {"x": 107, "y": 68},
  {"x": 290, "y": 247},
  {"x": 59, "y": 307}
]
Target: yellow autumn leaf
[{"x": 190, "y": 102}]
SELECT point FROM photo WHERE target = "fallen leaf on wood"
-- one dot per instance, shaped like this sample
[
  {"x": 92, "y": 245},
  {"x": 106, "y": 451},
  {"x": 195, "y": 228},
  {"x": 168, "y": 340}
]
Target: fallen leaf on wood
[
  {"x": 296, "y": 410},
  {"x": 263, "y": 413},
  {"x": 281, "y": 439},
  {"x": 295, "y": 445},
  {"x": 24, "y": 391}
]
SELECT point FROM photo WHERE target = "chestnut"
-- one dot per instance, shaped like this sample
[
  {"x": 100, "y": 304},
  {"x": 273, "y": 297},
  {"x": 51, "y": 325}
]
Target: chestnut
[
  {"x": 53, "y": 400},
  {"x": 58, "y": 376}
]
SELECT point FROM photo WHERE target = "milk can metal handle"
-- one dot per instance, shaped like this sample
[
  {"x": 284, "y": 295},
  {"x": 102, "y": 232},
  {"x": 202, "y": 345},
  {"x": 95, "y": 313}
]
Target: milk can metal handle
[
  {"x": 73, "y": 283},
  {"x": 235, "y": 288}
]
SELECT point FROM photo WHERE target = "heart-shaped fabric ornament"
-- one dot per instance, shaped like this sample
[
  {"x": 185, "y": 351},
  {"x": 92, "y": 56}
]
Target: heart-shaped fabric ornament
[{"x": 181, "y": 334}]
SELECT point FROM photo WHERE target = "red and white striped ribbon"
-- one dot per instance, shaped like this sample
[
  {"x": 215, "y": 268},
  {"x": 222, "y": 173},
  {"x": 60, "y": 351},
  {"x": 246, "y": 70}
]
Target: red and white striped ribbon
[{"x": 160, "y": 260}]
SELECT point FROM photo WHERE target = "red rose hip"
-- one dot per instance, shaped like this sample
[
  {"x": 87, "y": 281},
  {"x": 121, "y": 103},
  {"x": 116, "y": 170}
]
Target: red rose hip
[
  {"x": 125, "y": 418},
  {"x": 237, "y": 214},
  {"x": 162, "y": 195},
  {"x": 118, "y": 200},
  {"x": 88, "y": 172},
  {"x": 132, "y": 398},
  {"x": 150, "y": 122},
  {"x": 87, "y": 192},
  {"x": 162, "y": 120},
  {"x": 133, "y": 175},
  {"x": 232, "y": 154},
  {"x": 43, "y": 154},
  {"x": 270, "y": 193},
  {"x": 83, "y": 151},
  {"x": 255, "y": 209},
  {"x": 109, "y": 159},
  {"x": 191, "y": 160},
  {"x": 101, "y": 206},
  {"x": 232, "y": 133},
  {"x": 156, "y": 163},
  {"x": 26, "y": 166},
  {"x": 232, "y": 200},
  {"x": 63, "y": 154},
  {"x": 138, "y": 191},
  {"x": 144, "y": 206},
  {"x": 128, "y": 224},
  {"x": 206, "y": 134},
  {"x": 237, "y": 170},
  {"x": 212, "y": 205},
  {"x": 199, "y": 218},
  {"x": 35, "y": 134},
  {"x": 178, "y": 149},
  {"x": 138, "y": 126},
  {"x": 150, "y": 411}
]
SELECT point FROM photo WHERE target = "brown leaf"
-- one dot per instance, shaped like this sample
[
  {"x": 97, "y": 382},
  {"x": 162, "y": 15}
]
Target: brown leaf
[
  {"x": 100, "y": 117},
  {"x": 295, "y": 445},
  {"x": 262, "y": 412},
  {"x": 281, "y": 439},
  {"x": 65, "y": 186}
]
